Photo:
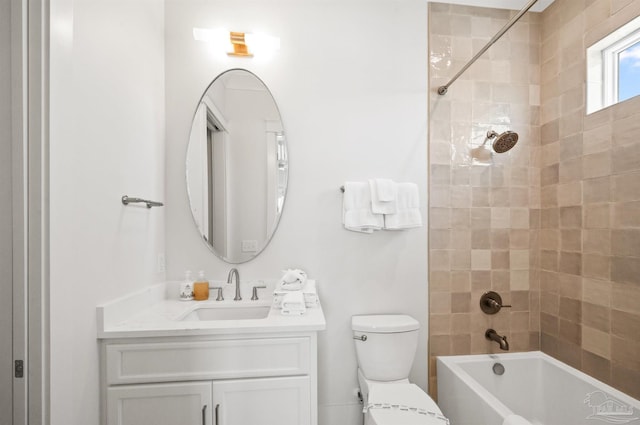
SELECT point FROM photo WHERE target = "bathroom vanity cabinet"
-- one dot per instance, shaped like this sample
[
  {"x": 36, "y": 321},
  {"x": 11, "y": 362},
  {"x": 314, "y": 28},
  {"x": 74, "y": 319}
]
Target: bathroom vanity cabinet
[{"x": 266, "y": 379}]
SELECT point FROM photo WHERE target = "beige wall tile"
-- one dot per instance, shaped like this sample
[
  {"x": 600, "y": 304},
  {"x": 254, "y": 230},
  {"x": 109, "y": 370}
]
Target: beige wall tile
[
  {"x": 596, "y": 266},
  {"x": 597, "y": 317},
  {"x": 597, "y": 139},
  {"x": 598, "y": 292},
  {"x": 520, "y": 280},
  {"x": 597, "y": 241},
  {"x": 596, "y": 165},
  {"x": 571, "y": 217},
  {"x": 625, "y": 352},
  {"x": 570, "y": 286},
  {"x": 519, "y": 259},
  {"x": 625, "y": 297},
  {"x": 480, "y": 259},
  {"x": 571, "y": 263},
  {"x": 625, "y": 242},
  {"x": 570, "y": 193},
  {"x": 461, "y": 302},
  {"x": 626, "y": 158},
  {"x": 625, "y": 269},
  {"x": 596, "y": 366},
  {"x": 625, "y": 131},
  {"x": 597, "y": 190},
  {"x": 626, "y": 214},
  {"x": 571, "y": 240},
  {"x": 440, "y": 302},
  {"x": 597, "y": 216},
  {"x": 625, "y": 325},
  {"x": 596, "y": 342},
  {"x": 626, "y": 187}
]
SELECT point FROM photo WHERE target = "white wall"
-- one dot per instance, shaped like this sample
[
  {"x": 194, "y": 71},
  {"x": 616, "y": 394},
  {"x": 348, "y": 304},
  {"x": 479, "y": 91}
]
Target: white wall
[
  {"x": 350, "y": 81},
  {"x": 107, "y": 140}
]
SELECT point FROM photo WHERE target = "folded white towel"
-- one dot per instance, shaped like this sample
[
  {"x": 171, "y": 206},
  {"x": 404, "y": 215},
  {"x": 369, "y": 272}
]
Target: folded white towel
[
  {"x": 293, "y": 303},
  {"x": 408, "y": 213},
  {"x": 309, "y": 287},
  {"x": 357, "y": 215},
  {"x": 293, "y": 280},
  {"x": 383, "y": 196},
  {"x": 515, "y": 420},
  {"x": 309, "y": 293}
]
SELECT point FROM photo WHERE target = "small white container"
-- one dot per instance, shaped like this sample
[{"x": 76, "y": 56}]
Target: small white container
[{"x": 186, "y": 287}]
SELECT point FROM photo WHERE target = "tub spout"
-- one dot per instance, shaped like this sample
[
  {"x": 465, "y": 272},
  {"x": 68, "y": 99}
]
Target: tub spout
[{"x": 492, "y": 335}]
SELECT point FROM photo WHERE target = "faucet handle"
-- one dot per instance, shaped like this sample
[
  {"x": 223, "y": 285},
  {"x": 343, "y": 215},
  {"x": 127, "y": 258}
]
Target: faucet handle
[
  {"x": 491, "y": 302},
  {"x": 254, "y": 295},
  {"x": 219, "y": 297}
]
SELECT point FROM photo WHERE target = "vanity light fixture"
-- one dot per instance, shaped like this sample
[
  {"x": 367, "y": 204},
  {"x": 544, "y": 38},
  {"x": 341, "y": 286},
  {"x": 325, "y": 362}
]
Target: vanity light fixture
[
  {"x": 236, "y": 43},
  {"x": 239, "y": 44}
]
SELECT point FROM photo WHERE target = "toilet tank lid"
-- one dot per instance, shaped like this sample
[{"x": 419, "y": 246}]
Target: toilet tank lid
[{"x": 384, "y": 323}]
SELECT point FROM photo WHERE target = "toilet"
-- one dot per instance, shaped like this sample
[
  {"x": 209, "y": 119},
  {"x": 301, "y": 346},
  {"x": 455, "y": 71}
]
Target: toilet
[{"x": 385, "y": 347}]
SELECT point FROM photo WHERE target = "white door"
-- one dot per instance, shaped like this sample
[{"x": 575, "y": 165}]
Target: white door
[
  {"x": 266, "y": 401},
  {"x": 160, "y": 404},
  {"x": 6, "y": 237}
]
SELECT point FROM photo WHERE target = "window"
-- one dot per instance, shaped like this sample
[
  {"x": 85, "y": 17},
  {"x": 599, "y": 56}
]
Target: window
[
  {"x": 629, "y": 71},
  {"x": 613, "y": 67}
]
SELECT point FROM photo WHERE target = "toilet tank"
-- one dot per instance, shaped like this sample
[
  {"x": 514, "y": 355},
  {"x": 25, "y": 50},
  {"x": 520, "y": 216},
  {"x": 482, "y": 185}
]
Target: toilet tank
[{"x": 390, "y": 346}]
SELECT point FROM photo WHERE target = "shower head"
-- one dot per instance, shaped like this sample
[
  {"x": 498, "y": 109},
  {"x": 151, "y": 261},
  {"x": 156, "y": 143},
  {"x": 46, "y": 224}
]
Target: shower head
[{"x": 504, "y": 141}]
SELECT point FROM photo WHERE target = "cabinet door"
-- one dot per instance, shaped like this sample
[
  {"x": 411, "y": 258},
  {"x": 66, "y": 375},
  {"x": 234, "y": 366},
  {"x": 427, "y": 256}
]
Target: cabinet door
[
  {"x": 266, "y": 401},
  {"x": 160, "y": 404}
]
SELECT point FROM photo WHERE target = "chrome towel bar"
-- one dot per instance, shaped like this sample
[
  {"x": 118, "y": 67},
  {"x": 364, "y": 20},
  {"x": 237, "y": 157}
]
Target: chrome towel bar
[{"x": 126, "y": 200}]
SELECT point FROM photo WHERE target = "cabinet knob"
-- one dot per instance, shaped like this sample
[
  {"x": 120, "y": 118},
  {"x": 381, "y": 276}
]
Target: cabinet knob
[
  {"x": 216, "y": 413},
  {"x": 204, "y": 415}
]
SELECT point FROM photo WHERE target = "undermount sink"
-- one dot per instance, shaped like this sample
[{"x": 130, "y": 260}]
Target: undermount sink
[{"x": 228, "y": 313}]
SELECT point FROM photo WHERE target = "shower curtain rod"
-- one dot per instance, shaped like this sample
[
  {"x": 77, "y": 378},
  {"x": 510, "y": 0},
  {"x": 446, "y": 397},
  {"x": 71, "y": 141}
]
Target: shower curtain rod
[{"x": 442, "y": 90}]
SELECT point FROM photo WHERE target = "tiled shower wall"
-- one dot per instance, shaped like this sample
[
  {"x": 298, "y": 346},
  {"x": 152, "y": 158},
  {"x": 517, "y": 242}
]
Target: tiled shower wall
[
  {"x": 553, "y": 225},
  {"x": 590, "y": 216},
  {"x": 483, "y": 211}
]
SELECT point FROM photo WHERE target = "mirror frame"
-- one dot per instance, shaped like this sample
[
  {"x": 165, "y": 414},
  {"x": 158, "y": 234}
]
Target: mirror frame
[{"x": 268, "y": 239}]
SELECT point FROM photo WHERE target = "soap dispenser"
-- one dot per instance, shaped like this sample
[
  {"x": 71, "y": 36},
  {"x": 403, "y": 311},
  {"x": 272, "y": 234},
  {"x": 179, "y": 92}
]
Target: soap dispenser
[
  {"x": 201, "y": 288},
  {"x": 186, "y": 287}
]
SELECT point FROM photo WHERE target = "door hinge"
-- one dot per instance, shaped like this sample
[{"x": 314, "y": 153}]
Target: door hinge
[{"x": 19, "y": 369}]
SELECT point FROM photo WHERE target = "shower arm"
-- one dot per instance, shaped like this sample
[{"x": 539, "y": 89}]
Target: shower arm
[{"x": 442, "y": 90}]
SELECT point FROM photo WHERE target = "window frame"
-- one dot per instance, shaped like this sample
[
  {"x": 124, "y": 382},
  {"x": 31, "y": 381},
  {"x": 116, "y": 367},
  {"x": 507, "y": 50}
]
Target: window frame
[
  {"x": 602, "y": 60},
  {"x": 610, "y": 62}
]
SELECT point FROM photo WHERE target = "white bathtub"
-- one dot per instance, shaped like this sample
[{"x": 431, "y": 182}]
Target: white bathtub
[{"x": 534, "y": 385}]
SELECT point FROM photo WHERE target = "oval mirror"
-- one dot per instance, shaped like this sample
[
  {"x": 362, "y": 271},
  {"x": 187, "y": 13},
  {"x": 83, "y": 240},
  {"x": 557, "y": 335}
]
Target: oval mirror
[{"x": 237, "y": 166}]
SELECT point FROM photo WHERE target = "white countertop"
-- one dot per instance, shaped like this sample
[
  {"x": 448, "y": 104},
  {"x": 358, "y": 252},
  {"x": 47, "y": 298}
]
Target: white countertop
[{"x": 151, "y": 313}]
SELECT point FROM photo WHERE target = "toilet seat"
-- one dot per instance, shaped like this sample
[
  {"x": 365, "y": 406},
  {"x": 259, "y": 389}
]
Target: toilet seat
[{"x": 402, "y": 404}]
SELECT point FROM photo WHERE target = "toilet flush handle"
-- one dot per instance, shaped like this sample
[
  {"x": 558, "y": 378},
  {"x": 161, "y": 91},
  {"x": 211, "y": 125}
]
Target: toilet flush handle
[{"x": 360, "y": 338}]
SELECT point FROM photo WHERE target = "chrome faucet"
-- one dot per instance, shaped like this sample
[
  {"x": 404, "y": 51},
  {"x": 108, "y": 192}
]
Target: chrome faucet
[
  {"x": 233, "y": 272},
  {"x": 492, "y": 335}
]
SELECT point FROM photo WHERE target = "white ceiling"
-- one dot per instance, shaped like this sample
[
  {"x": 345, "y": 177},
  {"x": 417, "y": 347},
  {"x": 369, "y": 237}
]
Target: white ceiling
[{"x": 501, "y": 4}]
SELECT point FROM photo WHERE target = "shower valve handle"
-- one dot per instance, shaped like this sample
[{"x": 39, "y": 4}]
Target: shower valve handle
[{"x": 491, "y": 302}]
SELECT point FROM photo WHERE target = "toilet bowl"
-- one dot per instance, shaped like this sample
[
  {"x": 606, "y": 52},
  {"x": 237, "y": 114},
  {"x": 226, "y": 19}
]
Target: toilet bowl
[{"x": 385, "y": 348}]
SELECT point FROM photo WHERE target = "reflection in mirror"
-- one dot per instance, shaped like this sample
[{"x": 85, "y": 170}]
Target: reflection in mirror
[{"x": 237, "y": 166}]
